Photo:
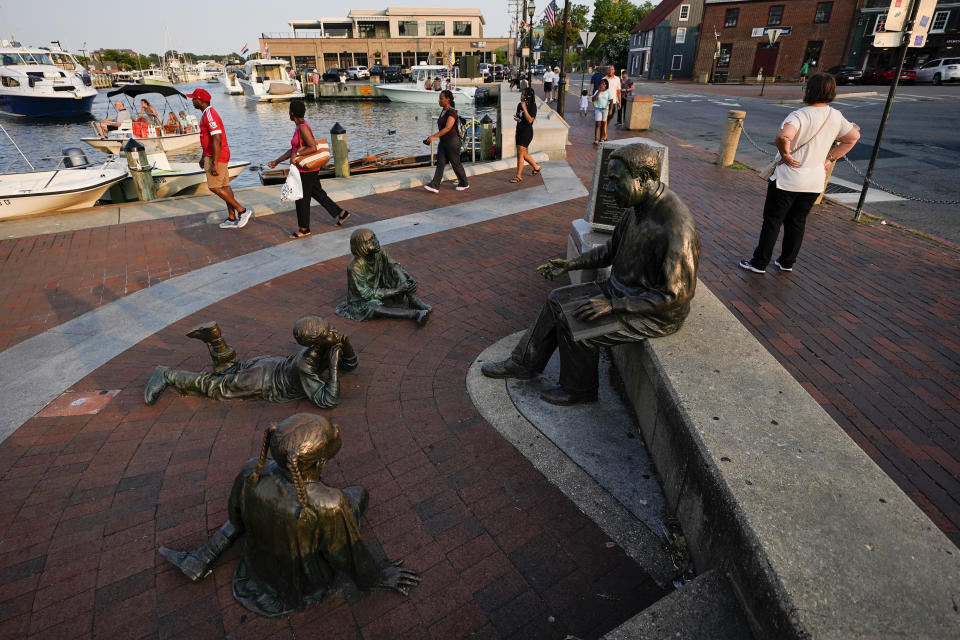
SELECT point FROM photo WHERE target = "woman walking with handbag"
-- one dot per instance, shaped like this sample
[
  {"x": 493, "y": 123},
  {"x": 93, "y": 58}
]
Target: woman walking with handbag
[
  {"x": 799, "y": 172},
  {"x": 302, "y": 146},
  {"x": 526, "y": 114},
  {"x": 448, "y": 150}
]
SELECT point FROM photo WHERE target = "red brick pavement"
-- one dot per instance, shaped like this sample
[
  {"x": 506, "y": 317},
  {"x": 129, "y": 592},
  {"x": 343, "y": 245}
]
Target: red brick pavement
[
  {"x": 868, "y": 323},
  {"x": 86, "y": 500}
]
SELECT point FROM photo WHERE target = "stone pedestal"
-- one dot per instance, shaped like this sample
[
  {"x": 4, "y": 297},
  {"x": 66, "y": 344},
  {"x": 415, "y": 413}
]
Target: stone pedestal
[
  {"x": 639, "y": 111},
  {"x": 602, "y": 212}
]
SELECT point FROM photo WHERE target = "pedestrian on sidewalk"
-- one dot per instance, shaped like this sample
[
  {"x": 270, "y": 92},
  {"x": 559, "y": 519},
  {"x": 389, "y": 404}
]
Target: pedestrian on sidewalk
[
  {"x": 556, "y": 83},
  {"x": 595, "y": 81},
  {"x": 216, "y": 155},
  {"x": 801, "y": 171},
  {"x": 302, "y": 145},
  {"x": 584, "y": 103},
  {"x": 626, "y": 90},
  {"x": 614, "y": 85},
  {"x": 804, "y": 70},
  {"x": 448, "y": 149},
  {"x": 601, "y": 104},
  {"x": 524, "y": 117},
  {"x": 547, "y": 85}
]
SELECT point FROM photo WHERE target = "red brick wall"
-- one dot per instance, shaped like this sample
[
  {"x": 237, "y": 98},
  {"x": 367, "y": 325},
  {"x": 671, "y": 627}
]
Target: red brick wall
[{"x": 797, "y": 14}]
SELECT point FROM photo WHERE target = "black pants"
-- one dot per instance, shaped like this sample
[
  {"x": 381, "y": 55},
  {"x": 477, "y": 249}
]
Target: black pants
[
  {"x": 620, "y": 114},
  {"x": 579, "y": 360},
  {"x": 312, "y": 189},
  {"x": 788, "y": 209},
  {"x": 448, "y": 151}
]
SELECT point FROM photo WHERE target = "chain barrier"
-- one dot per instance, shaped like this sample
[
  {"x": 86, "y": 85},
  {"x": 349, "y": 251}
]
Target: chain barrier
[{"x": 873, "y": 183}]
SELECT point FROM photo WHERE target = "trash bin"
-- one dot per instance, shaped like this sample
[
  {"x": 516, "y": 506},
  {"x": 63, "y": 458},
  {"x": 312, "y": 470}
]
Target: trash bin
[{"x": 638, "y": 113}]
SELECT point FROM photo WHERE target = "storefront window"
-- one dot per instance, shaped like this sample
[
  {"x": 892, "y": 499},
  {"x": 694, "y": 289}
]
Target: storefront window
[{"x": 726, "y": 50}]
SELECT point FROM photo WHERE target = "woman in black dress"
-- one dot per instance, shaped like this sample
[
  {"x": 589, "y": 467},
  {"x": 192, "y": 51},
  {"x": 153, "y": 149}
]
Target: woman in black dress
[{"x": 526, "y": 114}]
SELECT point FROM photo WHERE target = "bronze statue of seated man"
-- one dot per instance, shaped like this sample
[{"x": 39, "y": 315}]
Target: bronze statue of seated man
[
  {"x": 653, "y": 254},
  {"x": 300, "y": 533},
  {"x": 313, "y": 372},
  {"x": 377, "y": 286}
]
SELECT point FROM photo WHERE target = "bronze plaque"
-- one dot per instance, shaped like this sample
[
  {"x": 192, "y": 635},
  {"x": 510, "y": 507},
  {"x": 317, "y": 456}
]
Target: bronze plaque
[{"x": 606, "y": 211}]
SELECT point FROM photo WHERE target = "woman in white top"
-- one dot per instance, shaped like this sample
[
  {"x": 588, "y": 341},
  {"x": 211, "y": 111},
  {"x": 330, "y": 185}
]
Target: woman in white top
[
  {"x": 805, "y": 145},
  {"x": 601, "y": 104}
]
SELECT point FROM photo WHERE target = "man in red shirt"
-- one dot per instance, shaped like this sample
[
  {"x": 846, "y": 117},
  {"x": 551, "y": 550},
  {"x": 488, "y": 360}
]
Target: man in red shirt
[{"x": 216, "y": 154}]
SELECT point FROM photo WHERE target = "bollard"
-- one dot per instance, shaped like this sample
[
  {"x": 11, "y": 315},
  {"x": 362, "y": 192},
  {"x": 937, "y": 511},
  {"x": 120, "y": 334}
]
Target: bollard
[
  {"x": 140, "y": 170},
  {"x": 731, "y": 137},
  {"x": 341, "y": 165},
  {"x": 486, "y": 138}
]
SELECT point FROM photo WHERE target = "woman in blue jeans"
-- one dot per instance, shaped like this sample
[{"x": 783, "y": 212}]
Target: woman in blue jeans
[{"x": 448, "y": 149}]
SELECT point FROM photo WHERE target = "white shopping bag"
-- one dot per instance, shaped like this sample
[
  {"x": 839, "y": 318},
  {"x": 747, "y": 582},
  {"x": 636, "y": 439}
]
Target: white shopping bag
[{"x": 292, "y": 189}]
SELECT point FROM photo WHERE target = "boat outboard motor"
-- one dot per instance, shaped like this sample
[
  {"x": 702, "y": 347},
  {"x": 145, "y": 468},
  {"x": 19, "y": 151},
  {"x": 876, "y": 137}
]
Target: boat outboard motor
[{"x": 74, "y": 157}]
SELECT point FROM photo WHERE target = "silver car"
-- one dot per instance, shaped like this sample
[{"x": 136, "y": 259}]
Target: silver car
[{"x": 939, "y": 71}]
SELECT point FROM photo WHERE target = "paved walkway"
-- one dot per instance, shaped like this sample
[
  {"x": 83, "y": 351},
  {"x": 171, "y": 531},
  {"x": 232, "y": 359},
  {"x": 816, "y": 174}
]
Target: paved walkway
[{"x": 868, "y": 323}]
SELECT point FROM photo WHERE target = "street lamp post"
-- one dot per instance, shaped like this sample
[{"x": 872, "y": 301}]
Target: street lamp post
[
  {"x": 563, "y": 61},
  {"x": 531, "y": 10}
]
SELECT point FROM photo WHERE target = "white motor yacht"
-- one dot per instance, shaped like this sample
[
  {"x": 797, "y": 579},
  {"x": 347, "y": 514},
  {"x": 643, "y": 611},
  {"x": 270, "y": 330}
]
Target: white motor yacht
[
  {"x": 231, "y": 81},
  {"x": 421, "y": 89},
  {"x": 33, "y": 84},
  {"x": 268, "y": 81}
]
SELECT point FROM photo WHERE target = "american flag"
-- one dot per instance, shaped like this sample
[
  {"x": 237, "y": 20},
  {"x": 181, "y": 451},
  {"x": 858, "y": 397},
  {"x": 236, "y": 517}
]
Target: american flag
[
  {"x": 244, "y": 49},
  {"x": 550, "y": 13}
]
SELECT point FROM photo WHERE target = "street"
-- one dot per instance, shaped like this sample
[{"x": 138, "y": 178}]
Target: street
[{"x": 919, "y": 155}]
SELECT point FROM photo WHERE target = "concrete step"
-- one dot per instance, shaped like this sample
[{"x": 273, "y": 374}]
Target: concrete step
[{"x": 705, "y": 608}]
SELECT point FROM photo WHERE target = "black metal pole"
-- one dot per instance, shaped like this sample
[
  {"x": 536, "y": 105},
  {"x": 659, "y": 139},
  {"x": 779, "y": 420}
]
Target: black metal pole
[
  {"x": 522, "y": 59},
  {"x": 530, "y": 57},
  {"x": 905, "y": 35},
  {"x": 563, "y": 61}
]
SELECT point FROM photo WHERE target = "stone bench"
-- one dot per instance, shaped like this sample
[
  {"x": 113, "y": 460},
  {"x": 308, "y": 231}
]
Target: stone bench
[{"x": 815, "y": 539}]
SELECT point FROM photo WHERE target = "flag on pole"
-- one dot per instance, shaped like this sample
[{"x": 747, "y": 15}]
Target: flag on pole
[
  {"x": 550, "y": 13},
  {"x": 243, "y": 51},
  {"x": 450, "y": 59}
]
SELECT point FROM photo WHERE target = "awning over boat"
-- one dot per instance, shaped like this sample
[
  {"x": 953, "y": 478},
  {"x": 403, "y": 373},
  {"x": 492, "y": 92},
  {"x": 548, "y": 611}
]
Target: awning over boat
[{"x": 134, "y": 90}]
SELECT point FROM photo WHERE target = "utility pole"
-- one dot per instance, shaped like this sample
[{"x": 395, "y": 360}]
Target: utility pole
[
  {"x": 523, "y": 18},
  {"x": 563, "y": 60}
]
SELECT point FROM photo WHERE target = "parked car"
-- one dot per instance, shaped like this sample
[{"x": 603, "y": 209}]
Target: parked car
[
  {"x": 356, "y": 73},
  {"x": 331, "y": 75},
  {"x": 940, "y": 70},
  {"x": 886, "y": 75},
  {"x": 376, "y": 70},
  {"x": 539, "y": 69},
  {"x": 497, "y": 72},
  {"x": 846, "y": 75},
  {"x": 392, "y": 74}
]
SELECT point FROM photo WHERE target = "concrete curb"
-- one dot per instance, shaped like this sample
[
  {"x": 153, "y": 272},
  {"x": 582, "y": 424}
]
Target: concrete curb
[
  {"x": 494, "y": 403},
  {"x": 817, "y": 540}
]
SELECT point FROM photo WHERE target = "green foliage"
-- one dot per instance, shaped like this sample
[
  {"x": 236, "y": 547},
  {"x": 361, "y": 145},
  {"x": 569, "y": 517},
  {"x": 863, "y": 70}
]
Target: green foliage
[
  {"x": 553, "y": 35},
  {"x": 613, "y": 20},
  {"x": 500, "y": 56}
]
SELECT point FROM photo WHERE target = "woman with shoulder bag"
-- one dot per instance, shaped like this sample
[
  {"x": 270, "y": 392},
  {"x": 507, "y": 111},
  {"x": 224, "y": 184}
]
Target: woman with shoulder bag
[
  {"x": 302, "y": 146},
  {"x": 806, "y": 151},
  {"x": 448, "y": 150}
]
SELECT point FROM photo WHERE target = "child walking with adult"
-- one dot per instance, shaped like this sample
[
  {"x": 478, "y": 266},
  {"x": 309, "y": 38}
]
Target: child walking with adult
[
  {"x": 806, "y": 151},
  {"x": 216, "y": 155},
  {"x": 526, "y": 114},
  {"x": 601, "y": 103},
  {"x": 302, "y": 145},
  {"x": 584, "y": 103},
  {"x": 448, "y": 149}
]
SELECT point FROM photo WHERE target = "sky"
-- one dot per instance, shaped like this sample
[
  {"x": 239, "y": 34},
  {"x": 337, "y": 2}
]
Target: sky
[{"x": 215, "y": 26}]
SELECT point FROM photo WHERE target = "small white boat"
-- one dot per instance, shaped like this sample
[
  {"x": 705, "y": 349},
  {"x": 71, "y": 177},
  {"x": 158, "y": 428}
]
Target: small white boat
[
  {"x": 231, "y": 81},
  {"x": 171, "y": 178},
  {"x": 155, "y": 77},
  {"x": 421, "y": 90},
  {"x": 268, "y": 81},
  {"x": 114, "y": 140},
  {"x": 34, "y": 192}
]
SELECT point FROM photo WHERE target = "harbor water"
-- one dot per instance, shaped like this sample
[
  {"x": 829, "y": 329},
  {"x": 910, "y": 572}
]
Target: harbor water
[{"x": 256, "y": 132}]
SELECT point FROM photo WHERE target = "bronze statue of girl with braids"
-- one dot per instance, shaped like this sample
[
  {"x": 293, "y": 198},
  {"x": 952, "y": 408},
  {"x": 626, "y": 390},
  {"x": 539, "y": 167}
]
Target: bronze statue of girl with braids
[{"x": 300, "y": 532}]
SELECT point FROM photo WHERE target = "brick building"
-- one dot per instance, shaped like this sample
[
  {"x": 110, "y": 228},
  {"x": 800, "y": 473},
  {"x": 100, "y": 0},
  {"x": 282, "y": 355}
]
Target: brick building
[
  {"x": 943, "y": 39},
  {"x": 815, "y": 31}
]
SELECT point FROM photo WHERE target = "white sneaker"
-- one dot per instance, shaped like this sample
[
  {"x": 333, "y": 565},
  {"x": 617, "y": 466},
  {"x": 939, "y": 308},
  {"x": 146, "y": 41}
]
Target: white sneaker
[
  {"x": 463, "y": 188},
  {"x": 229, "y": 224},
  {"x": 431, "y": 189},
  {"x": 245, "y": 217}
]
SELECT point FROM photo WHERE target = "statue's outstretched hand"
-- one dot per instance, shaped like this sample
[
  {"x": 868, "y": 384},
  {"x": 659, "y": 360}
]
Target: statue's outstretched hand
[
  {"x": 398, "y": 579},
  {"x": 554, "y": 268},
  {"x": 593, "y": 308}
]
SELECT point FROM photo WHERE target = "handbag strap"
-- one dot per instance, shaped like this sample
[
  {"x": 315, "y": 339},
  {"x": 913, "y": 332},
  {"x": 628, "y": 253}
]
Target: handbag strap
[{"x": 819, "y": 129}]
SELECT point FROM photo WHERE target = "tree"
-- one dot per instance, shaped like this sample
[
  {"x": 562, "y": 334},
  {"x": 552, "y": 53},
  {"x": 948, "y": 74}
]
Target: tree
[
  {"x": 553, "y": 35},
  {"x": 500, "y": 56},
  {"x": 613, "y": 20}
]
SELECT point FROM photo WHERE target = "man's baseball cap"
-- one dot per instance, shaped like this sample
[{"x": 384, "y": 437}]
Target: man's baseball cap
[{"x": 199, "y": 94}]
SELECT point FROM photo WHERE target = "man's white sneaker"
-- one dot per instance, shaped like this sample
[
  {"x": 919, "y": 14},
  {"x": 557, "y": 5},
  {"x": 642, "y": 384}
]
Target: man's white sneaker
[
  {"x": 781, "y": 267},
  {"x": 431, "y": 189},
  {"x": 245, "y": 217},
  {"x": 463, "y": 188},
  {"x": 229, "y": 224}
]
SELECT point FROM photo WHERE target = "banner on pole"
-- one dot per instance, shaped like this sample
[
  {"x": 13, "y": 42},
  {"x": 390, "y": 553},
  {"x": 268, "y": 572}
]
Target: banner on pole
[{"x": 538, "y": 38}]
